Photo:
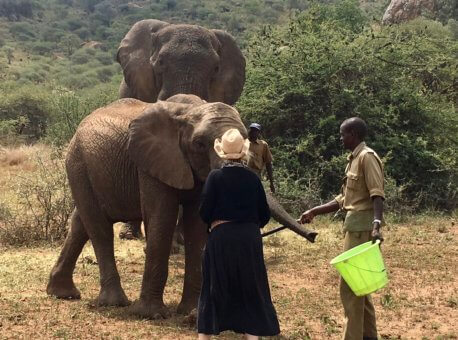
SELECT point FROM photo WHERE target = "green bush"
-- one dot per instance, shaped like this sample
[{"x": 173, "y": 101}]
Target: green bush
[
  {"x": 42, "y": 47},
  {"x": 81, "y": 56},
  {"x": 70, "y": 108},
  {"x": 104, "y": 58},
  {"x": 29, "y": 103},
  {"x": 105, "y": 73},
  {"x": 23, "y": 31},
  {"x": 304, "y": 78}
]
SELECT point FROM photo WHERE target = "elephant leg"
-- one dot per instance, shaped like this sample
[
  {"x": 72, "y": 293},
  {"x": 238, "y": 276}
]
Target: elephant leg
[
  {"x": 101, "y": 235},
  {"x": 100, "y": 231},
  {"x": 61, "y": 281},
  {"x": 131, "y": 230},
  {"x": 195, "y": 236},
  {"x": 159, "y": 216}
]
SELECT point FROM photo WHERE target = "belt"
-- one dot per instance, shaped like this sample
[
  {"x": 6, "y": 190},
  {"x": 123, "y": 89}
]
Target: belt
[{"x": 217, "y": 223}]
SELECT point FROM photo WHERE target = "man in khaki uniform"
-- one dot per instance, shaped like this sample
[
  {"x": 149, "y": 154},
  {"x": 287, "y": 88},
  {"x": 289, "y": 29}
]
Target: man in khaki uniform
[
  {"x": 362, "y": 198},
  {"x": 259, "y": 155}
]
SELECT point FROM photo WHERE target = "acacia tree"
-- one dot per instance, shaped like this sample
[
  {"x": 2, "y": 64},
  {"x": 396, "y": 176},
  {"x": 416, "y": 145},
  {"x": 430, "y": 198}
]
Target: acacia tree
[{"x": 70, "y": 42}]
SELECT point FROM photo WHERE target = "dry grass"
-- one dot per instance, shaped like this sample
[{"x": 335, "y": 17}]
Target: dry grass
[
  {"x": 35, "y": 199},
  {"x": 420, "y": 302},
  {"x": 19, "y": 158}
]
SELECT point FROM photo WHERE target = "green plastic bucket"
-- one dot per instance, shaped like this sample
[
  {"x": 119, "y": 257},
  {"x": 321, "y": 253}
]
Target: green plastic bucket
[{"x": 362, "y": 268}]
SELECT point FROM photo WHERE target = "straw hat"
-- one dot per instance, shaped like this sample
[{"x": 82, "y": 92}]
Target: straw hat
[{"x": 231, "y": 145}]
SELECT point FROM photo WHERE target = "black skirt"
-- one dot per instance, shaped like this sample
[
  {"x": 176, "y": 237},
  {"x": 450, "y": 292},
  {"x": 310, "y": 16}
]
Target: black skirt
[{"x": 235, "y": 291}]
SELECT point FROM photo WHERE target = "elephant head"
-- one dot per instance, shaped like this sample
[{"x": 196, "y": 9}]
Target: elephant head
[
  {"x": 160, "y": 60},
  {"x": 179, "y": 134}
]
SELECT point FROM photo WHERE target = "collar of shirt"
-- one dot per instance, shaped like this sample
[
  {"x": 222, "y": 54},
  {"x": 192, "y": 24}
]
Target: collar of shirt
[{"x": 356, "y": 151}]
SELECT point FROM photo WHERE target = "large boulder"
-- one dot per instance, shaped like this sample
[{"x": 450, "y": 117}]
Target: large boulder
[{"x": 405, "y": 10}]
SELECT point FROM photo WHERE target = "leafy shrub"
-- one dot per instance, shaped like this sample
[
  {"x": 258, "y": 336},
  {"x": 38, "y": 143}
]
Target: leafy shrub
[
  {"x": 69, "y": 109},
  {"x": 37, "y": 204},
  {"x": 23, "y": 31},
  {"x": 105, "y": 73},
  {"x": 42, "y": 47},
  {"x": 104, "y": 58},
  {"x": 34, "y": 76},
  {"x": 81, "y": 56},
  {"x": 30, "y": 104},
  {"x": 304, "y": 78},
  {"x": 9, "y": 131},
  {"x": 78, "y": 81}
]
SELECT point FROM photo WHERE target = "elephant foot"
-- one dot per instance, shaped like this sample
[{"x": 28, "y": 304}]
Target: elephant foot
[
  {"x": 112, "y": 297},
  {"x": 152, "y": 311},
  {"x": 186, "y": 308},
  {"x": 130, "y": 231},
  {"x": 191, "y": 318},
  {"x": 62, "y": 288}
]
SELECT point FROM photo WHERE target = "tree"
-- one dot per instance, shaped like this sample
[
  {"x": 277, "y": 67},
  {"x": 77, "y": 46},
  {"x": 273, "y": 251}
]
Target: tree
[
  {"x": 9, "y": 53},
  {"x": 305, "y": 77},
  {"x": 70, "y": 42}
]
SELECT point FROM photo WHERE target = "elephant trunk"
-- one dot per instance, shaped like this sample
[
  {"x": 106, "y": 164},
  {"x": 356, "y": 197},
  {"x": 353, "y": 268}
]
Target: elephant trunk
[
  {"x": 187, "y": 85},
  {"x": 280, "y": 215}
]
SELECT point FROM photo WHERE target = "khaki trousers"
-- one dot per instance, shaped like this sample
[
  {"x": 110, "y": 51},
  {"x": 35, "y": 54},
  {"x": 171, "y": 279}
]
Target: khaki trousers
[{"x": 359, "y": 310}]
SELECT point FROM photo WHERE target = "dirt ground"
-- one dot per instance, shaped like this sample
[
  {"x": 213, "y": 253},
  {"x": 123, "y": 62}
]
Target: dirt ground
[{"x": 420, "y": 301}]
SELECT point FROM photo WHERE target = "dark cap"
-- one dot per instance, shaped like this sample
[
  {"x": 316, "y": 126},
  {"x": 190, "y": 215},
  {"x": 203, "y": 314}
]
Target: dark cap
[{"x": 255, "y": 126}]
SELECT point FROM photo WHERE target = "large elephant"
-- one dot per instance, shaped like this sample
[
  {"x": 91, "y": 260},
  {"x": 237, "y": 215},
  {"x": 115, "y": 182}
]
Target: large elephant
[
  {"x": 160, "y": 60},
  {"x": 132, "y": 161}
]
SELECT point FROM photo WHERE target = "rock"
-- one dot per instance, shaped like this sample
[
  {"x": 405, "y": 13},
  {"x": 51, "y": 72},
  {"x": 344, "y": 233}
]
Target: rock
[{"x": 405, "y": 10}]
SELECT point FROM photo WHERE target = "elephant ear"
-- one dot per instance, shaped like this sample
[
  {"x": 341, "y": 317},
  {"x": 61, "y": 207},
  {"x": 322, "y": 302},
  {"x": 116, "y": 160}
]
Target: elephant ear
[
  {"x": 228, "y": 84},
  {"x": 134, "y": 54},
  {"x": 154, "y": 144}
]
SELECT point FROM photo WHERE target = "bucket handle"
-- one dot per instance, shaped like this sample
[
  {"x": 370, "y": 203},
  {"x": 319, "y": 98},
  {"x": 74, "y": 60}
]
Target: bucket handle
[{"x": 367, "y": 270}]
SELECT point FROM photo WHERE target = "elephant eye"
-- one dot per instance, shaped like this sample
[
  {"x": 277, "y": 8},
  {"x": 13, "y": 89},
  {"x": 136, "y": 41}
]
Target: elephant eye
[{"x": 200, "y": 146}]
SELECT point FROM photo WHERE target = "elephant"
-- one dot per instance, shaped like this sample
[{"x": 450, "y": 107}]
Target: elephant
[
  {"x": 160, "y": 60},
  {"x": 132, "y": 161}
]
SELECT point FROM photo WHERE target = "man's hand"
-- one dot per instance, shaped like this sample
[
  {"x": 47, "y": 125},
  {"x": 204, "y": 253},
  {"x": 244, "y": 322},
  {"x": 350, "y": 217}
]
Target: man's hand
[
  {"x": 376, "y": 234},
  {"x": 272, "y": 187},
  {"x": 307, "y": 217}
]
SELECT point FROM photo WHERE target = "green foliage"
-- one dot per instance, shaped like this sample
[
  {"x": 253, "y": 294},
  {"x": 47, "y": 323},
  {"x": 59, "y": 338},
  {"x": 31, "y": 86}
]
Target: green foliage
[
  {"x": 23, "y": 31},
  {"x": 15, "y": 9},
  {"x": 42, "y": 47},
  {"x": 29, "y": 105},
  {"x": 69, "y": 108},
  {"x": 306, "y": 77}
]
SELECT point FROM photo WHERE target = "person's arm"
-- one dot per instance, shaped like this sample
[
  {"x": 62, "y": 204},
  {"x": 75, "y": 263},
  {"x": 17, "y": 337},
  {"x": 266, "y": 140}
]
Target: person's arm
[
  {"x": 373, "y": 175},
  {"x": 309, "y": 215},
  {"x": 208, "y": 199},
  {"x": 377, "y": 202}
]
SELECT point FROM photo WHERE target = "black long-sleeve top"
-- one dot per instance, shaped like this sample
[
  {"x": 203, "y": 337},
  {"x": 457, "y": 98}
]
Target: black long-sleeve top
[{"x": 234, "y": 193}]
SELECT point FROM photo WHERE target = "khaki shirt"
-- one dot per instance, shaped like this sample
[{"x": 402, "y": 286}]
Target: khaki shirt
[
  {"x": 363, "y": 180},
  {"x": 258, "y": 155}
]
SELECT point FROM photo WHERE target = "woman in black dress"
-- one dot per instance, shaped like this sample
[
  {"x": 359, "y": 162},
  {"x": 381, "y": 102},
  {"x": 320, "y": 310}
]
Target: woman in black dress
[{"x": 235, "y": 291}]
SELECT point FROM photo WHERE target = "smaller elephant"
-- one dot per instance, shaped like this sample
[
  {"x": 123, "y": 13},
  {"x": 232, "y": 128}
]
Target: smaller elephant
[
  {"x": 132, "y": 161},
  {"x": 160, "y": 60}
]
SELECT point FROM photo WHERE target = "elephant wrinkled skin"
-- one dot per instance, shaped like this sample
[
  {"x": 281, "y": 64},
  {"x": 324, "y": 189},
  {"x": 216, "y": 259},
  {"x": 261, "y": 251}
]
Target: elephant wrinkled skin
[
  {"x": 160, "y": 60},
  {"x": 132, "y": 161}
]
